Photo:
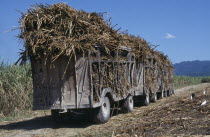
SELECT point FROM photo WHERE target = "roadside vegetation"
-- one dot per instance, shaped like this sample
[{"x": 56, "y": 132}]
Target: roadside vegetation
[
  {"x": 182, "y": 81},
  {"x": 15, "y": 89}
]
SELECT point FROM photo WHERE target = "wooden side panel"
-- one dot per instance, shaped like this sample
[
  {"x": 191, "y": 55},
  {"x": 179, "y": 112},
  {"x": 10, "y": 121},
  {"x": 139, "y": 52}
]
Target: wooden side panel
[
  {"x": 46, "y": 85},
  {"x": 83, "y": 82},
  {"x": 160, "y": 81},
  {"x": 54, "y": 83},
  {"x": 140, "y": 78},
  {"x": 68, "y": 84}
]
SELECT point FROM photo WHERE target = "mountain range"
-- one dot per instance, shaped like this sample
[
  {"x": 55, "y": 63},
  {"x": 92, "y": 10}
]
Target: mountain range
[{"x": 192, "y": 68}]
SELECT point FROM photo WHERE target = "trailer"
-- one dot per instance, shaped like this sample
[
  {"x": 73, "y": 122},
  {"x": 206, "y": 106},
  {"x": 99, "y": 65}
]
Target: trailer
[
  {"x": 86, "y": 81},
  {"x": 94, "y": 81}
]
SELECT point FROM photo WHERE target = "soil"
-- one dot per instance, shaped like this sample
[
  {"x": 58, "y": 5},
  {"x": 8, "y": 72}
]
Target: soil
[{"x": 177, "y": 115}]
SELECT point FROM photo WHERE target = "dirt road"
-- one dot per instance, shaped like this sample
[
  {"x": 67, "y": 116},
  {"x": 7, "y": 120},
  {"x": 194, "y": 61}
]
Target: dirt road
[{"x": 171, "y": 116}]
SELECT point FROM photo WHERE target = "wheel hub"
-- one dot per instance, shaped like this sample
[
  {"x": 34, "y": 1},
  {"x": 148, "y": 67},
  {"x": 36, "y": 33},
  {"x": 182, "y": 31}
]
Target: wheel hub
[
  {"x": 147, "y": 98},
  {"x": 104, "y": 109},
  {"x": 131, "y": 102}
]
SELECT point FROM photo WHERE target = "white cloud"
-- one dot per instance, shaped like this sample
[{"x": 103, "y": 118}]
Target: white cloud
[{"x": 169, "y": 36}]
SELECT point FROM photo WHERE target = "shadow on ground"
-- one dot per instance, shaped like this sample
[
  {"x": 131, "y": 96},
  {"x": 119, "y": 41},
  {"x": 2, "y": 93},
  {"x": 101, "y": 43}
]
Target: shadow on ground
[
  {"x": 44, "y": 122},
  {"x": 48, "y": 122}
]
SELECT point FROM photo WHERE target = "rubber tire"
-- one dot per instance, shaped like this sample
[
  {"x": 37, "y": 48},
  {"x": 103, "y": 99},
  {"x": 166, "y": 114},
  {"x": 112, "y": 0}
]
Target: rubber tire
[
  {"x": 154, "y": 98},
  {"x": 173, "y": 92},
  {"x": 169, "y": 93},
  {"x": 128, "y": 105},
  {"x": 160, "y": 95},
  {"x": 146, "y": 100},
  {"x": 102, "y": 114},
  {"x": 165, "y": 93}
]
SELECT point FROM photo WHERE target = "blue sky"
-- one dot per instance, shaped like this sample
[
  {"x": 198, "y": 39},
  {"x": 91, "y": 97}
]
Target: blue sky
[{"x": 180, "y": 27}]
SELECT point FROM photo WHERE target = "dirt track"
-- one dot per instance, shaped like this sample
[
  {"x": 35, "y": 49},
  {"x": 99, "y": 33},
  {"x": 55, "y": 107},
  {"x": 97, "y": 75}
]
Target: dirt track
[{"x": 171, "y": 116}]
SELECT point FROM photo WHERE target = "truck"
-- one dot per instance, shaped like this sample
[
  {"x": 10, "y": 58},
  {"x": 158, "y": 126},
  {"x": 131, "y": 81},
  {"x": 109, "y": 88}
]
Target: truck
[{"x": 96, "y": 82}]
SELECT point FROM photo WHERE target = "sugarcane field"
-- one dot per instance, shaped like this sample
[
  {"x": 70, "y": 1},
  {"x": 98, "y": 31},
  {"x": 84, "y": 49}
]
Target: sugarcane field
[{"x": 79, "y": 74}]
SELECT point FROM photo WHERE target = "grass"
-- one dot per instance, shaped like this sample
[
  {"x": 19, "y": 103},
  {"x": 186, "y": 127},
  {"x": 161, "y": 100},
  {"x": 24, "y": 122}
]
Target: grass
[
  {"x": 15, "y": 89},
  {"x": 2, "y": 119},
  {"x": 182, "y": 81}
]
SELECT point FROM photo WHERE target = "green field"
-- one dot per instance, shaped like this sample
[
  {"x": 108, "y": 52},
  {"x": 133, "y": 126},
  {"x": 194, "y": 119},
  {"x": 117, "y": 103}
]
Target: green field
[{"x": 182, "y": 81}]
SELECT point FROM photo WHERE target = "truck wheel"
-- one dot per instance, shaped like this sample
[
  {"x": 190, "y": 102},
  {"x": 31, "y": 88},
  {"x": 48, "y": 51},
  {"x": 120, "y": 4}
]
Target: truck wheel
[
  {"x": 102, "y": 114},
  {"x": 128, "y": 105},
  {"x": 172, "y": 92},
  {"x": 169, "y": 92},
  {"x": 165, "y": 93},
  {"x": 146, "y": 100},
  {"x": 154, "y": 98},
  {"x": 160, "y": 95}
]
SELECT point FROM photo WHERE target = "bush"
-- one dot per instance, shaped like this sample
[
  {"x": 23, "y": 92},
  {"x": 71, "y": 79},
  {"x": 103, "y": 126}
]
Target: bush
[
  {"x": 15, "y": 89},
  {"x": 181, "y": 81},
  {"x": 205, "y": 80}
]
